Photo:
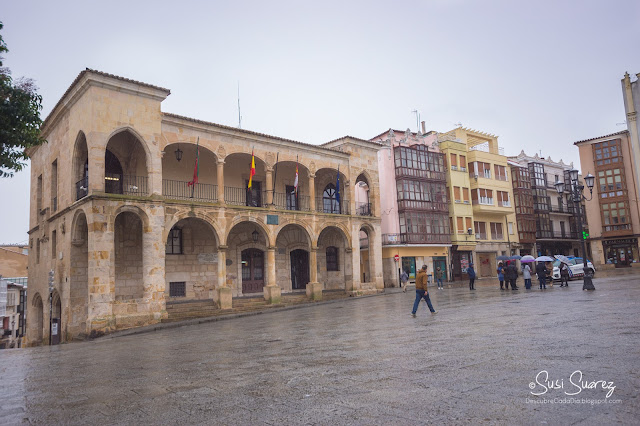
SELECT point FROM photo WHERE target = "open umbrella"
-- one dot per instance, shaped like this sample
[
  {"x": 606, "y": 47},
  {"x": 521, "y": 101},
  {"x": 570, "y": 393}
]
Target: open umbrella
[
  {"x": 562, "y": 258},
  {"x": 502, "y": 257},
  {"x": 544, "y": 259},
  {"x": 515, "y": 257},
  {"x": 527, "y": 259}
]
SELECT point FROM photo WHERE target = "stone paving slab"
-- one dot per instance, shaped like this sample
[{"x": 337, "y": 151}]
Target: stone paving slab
[{"x": 357, "y": 361}]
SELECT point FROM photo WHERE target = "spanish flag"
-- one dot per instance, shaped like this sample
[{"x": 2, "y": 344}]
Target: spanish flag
[
  {"x": 196, "y": 167},
  {"x": 253, "y": 169}
]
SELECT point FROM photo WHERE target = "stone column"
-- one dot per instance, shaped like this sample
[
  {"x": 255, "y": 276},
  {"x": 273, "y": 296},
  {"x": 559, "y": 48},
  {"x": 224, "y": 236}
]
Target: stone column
[
  {"x": 355, "y": 257},
  {"x": 224, "y": 292},
  {"x": 153, "y": 257},
  {"x": 314, "y": 288},
  {"x": 272, "y": 293},
  {"x": 312, "y": 191},
  {"x": 269, "y": 185},
  {"x": 96, "y": 152},
  {"x": 101, "y": 274},
  {"x": 220, "y": 181},
  {"x": 351, "y": 190}
]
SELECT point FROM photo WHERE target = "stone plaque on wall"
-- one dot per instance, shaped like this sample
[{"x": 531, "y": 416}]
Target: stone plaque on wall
[
  {"x": 208, "y": 258},
  {"x": 272, "y": 219}
]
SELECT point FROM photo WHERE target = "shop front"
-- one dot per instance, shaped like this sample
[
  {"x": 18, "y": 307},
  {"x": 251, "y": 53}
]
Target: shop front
[
  {"x": 461, "y": 258},
  {"x": 621, "y": 252}
]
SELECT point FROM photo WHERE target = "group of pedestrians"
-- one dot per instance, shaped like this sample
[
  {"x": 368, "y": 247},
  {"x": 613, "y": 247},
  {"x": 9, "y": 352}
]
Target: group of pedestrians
[{"x": 507, "y": 275}]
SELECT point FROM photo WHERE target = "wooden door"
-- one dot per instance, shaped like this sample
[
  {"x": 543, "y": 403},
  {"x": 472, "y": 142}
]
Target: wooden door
[
  {"x": 299, "y": 269},
  {"x": 252, "y": 271}
]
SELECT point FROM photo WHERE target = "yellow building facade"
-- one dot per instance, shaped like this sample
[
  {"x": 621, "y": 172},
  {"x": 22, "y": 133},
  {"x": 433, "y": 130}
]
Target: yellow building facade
[{"x": 482, "y": 213}]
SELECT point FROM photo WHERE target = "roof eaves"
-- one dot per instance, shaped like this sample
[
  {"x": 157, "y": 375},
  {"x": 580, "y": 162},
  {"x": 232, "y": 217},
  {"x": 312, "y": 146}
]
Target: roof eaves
[{"x": 602, "y": 137}]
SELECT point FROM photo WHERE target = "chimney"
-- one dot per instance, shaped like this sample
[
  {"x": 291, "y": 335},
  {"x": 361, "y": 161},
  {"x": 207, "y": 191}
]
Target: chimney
[{"x": 424, "y": 130}]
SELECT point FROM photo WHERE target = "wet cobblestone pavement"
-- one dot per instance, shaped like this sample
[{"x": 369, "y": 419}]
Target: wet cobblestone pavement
[{"x": 356, "y": 361}]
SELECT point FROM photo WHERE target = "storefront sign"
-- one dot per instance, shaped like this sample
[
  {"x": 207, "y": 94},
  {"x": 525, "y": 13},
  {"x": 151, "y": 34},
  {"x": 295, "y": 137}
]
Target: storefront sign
[{"x": 621, "y": 242}]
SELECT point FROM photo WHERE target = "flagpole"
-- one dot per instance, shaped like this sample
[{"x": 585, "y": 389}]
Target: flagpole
[{"x": 275, "y": 175}]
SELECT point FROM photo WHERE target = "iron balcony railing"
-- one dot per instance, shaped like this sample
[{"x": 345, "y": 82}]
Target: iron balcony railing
[
  {"x": 82, "y": 188},
  {"x": 183, "y": 191},
  {"x": 567, "y": 235},
  {"x": 125, "y": 184},
  {"x": 363, "y": 209},
  {"x": 415, "y": 238},
  {"x": 239, "y": 197},
  {"x": 291, "y": 202},
  {"x": 331, "y": 205}
]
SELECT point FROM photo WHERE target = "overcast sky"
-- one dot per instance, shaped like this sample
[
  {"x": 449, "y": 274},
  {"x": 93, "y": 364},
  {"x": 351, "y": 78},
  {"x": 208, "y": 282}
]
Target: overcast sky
[{"x": 539, "y": 74}]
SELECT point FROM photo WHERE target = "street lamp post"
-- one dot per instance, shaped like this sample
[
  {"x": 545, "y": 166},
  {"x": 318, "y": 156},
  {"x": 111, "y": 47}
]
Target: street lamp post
[{"x": 577, "y": 197}]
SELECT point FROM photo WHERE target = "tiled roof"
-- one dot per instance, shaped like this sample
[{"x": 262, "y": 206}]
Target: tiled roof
[
  {"x": 235, "y": 129},
  {"x": 602, "y": 137},
  {"x": 354, "y": 138}
]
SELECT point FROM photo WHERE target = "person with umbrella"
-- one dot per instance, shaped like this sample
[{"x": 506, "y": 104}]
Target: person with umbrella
[
  {"x": 526, "y": 270},
  {"x": 541, "y": 270},
  {"x": 511, "y": 274}
]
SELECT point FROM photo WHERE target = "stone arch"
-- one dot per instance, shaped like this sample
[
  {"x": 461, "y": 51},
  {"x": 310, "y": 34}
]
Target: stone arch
[
  {"x": 254, "y": 220},
  {"x": 237, "y": 166},
  {"x": 177, "y": 174},
  {"x": 367, "y": 257},
  {"x": 341, "y": 227},
  {"x": 171, "y": 221},
  {"x": 78, "y": 276},
  {"x": 38, "y": 326},
  {"x": 246, "y": 258},
  {"x": 80, "y": 167},
  {"x": 127, "y": 163},
  {"x": 311, "y": 236},
  {"x": 364, "y": 195},
  {"x": 324, "y": 180},
  {"x": 284, "y": 198},
  {"x": 336, "y": 273},
  {"x": 294, "y": 244},
  {"x": 135, "y": 210},
  {"x": 191, "y": 259}
]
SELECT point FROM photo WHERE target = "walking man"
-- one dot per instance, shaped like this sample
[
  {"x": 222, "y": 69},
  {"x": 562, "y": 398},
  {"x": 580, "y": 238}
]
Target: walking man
[
  {"x": 422, "y": 291},
  {"x": 472, "y": 276},
  {"x": 564, "y": 275}
]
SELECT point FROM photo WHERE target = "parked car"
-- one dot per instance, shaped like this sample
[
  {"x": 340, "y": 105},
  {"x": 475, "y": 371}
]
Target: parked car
[{"x": 576, "y": 268}]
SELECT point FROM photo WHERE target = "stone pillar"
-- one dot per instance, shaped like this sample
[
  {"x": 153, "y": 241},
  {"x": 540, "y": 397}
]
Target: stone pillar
[
  {"x": 355, "y": 257},
  {"x": 96, "y": 152},
  {"x": 224, "y": 291},
  {"x": 101, "y": 275},
  {"x": 269, "y": 185},
  {"x": 153, "y": 263},
  {"x": 312, "y": 191},
  {"x": 220, "y": 181},
  {"x": 375, "y": 259},
  {"x": 272, "y": 293},
  {"x": 314, "y": 288},
  {"x": 351, "y": 190}
]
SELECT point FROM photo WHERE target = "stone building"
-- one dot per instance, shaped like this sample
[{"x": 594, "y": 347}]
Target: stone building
[{"x": 114, "y": 215}]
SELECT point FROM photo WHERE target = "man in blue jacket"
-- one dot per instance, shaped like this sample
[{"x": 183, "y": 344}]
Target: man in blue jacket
[{"x": 472, "y": 276}]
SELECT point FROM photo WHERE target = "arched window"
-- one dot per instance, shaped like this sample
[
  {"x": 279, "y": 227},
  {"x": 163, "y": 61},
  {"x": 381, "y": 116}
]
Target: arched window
[
  {"x": 330, "y": 202},
  {"x": 332, "y": 259}
]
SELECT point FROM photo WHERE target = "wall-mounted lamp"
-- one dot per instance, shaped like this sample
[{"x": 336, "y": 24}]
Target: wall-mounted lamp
[
  {"x": 255, "y": 236},
  {"x": 178, "y": 153}
]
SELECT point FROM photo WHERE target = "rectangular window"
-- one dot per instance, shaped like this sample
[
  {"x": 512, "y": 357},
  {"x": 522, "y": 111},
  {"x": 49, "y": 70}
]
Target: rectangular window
[
  {"x": 486, "y": 170},
  {"x": 54, "y": 186},
  {"x": 481, "y": 230},
  {"x": 53, "y": 244},
  {"x": 501, "y": 172},
  {"x": 465, "y": 195},
  {"x": 174, "y": 242},
  {"x": 39, "y": 194},
  {"x": 468, "y": 223},
  {"x": 178, "y": 289},
  {"x": 456, "y": 194},
  {"x": 503, "y": 199},
  {"x": 332, "y": 259},
  {"x": 454, "y": 161},
  {"x": 463, "y": 163},
  {"x": 496, "y": 231},
  {"x": 510, "y": 228},
  {"x": 484, "y": 196},
  {"x": 460, "y": 225}
]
